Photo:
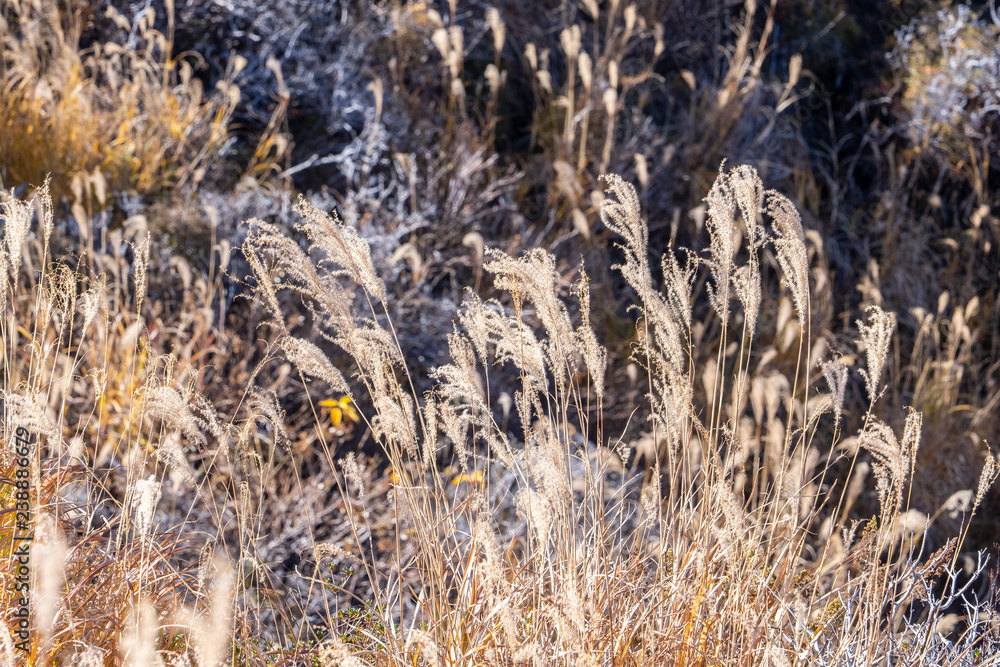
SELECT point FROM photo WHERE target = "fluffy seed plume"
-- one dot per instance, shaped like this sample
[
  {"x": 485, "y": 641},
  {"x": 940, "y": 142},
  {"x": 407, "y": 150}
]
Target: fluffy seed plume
[
  {"x": 94, "y": 300},
  {"x": 265, "y": 404},
  {"x": 668, "y": 317},
  {"x": 170, "y": 453},
  {"x": 49, "y": 557},
  {"x": 27, "y": 412},
  {"x": 313, "y": 363},
  {"x": 167, "y": 404},
  {"x": 594, "y": 354},
  {"x": 138, "y": 648},
  {"x": 333, "y": 651},
  {"x": 835, "y": 373},
  {"x": 354, "y": 473},
  {"x": 146, "y": 496},
  {"x": 721, "y": 225},
  {"x": 16, "y": 222},
  {"x": 346, "y": 252},
  {"x": 497, "y": 27},
  {"x": 533, "y": 279},
  {"x": 986, "y": 479},
  {"x": 875, "y": 339},
  {"x": 141, "y": 262},
  {"x": 892, "y": 460},
  {"x": 790, "y": 243}
]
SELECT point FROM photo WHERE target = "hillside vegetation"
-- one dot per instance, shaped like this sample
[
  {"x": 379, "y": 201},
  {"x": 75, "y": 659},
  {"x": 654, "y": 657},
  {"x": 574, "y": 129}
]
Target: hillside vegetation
[{"x": 595, "y": 333}]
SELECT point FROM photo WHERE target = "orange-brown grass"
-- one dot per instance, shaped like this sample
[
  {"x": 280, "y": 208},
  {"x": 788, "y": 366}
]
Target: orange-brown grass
[{"x": 126, "y": 114}]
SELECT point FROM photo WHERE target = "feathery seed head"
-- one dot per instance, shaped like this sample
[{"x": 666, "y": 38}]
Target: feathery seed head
[
  {"x": 16, "y": 215},
  {"x": 49, "y": 559},
  {"x": 313, "y": 363},
  {"x": 748, "y": 190},
  {"x": 323, "y": 550},
  {"x": 169, "y": 405},
  {"x": 94, "y": 300},
  {"x": 497, "y": 28},
  {"x": 722, "y": 231},
  {"x": 570, "y": 40},
  {"x": 141, "y": 252},
  {"x": 620, "y": 214},
  {"x": 835, "y": 372},
  {"x": 334, "y": 652},
  {"x": 26, "y": 411},
  {"x": 265, "y": 404},
  {"x": 171, "y": 453},
  {"x": 47, "y": 216},
  {"x": 145, "y": 497},
  {"x": 394, "y": 421},
  {"x": 354, "y": 473},
  {"x": 889, "y": 463},
  {"x": 746, "y": 282},
  {"x": 586, "y": 71},
  {"x": 990, "y": 471},
  {"x": 594, "y": 354},
  {"x": 790, "y": 243},
  {"x": 344, "y": 249},
  {"x": 875, "y": 339}
]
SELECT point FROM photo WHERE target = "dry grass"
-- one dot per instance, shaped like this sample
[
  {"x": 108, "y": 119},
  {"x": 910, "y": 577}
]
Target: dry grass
[
  {"x": 537, "y": 543},
  {"x": 127, "y": 113},
  {"x": 287, "y": 481},
  {"x": 732, "y": 549}
]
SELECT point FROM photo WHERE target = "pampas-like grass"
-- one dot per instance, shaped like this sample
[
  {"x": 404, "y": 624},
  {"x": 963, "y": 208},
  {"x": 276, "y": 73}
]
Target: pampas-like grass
[
  {"x": 711, "y": 555},
  {"x": 517, "y": 536}
]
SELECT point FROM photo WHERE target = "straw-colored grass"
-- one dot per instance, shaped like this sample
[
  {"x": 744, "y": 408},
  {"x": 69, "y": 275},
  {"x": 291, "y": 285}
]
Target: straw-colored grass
[
  {"x": 536, "y": 543},
  {"x": 280, "y": 480}
]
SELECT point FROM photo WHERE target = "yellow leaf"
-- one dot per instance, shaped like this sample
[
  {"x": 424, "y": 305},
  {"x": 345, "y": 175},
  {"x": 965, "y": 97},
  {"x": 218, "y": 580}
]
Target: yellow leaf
[
  {"x": 475, "y": 477},
  {"x": 349, "y": 412},
  {"x": 340, "y": 409}
]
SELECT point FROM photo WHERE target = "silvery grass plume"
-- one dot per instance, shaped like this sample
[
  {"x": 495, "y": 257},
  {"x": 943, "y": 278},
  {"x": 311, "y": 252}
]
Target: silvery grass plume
[
  {"x": 346, "y": 253},
  {"x": 17, "y": 216},
  {"x": 893, "y": 460},
  {"x": 736, "y": 195},
  {"x": 742, "y": 191},
  {"x": 141, "y": 254},
  {"x": 747, "y": 189},
  {"x": 313, "y": 363},
  {"x": 594, "y": 354},
  {"x": 723, "y": 238},
  {"x": 876, "y": 336},
  {"x": 790, "y": 243},
  {"x": 532, "y": 279},
  {"x": 729, "y": 584},
  {"x": 171, "y": 406},
  {"x": 668, "y": 317},
  {"x": 341, "y": 254},
  {"x": 211, "y": 633},
  {"x": 48, "y": 556},
  {"x": 835, "y": 372},
  {"x": 459, "y": 402},
  {"x": 138, "y": 646},
  {"x": 513, "y": 341},
  {"x": 145, "y": 497}
]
